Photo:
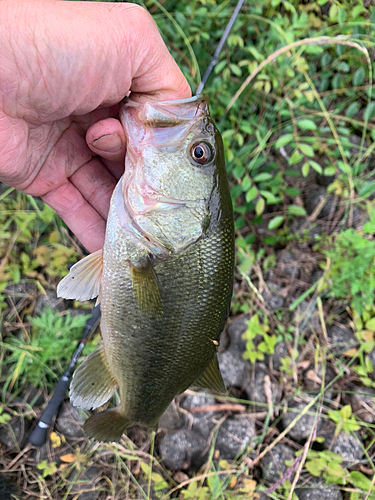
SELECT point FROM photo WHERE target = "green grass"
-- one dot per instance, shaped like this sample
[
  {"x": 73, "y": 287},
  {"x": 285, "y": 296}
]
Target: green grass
[{"x": 292, "y": 87}]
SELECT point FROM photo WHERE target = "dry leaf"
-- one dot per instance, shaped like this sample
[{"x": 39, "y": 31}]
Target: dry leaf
[{"x": 68, "y": 458}]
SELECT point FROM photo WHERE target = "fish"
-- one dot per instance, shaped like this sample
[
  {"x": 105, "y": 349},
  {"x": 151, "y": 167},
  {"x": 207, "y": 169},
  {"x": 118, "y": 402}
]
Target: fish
[{"x": 164, "y": 277}]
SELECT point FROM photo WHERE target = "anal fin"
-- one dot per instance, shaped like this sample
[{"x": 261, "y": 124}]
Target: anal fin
[
  {"x": 108, "y": 425},
  {"x": 84, "y": 278},
  {"x": 93, "y": 383},
  {"x": 211, "y": 378},
  {"x": 146, "y": 289}
]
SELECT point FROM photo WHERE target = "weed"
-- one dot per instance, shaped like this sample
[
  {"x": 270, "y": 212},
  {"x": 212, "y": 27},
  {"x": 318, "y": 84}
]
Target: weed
[
  {"x": 44, "y": 355},
  {"x": 351, "y": 268},
  {"x": 344, "y": 420},
  {"x": 258, "y": 341}
]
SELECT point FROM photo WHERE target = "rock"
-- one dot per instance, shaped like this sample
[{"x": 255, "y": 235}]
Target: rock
[
  {"x": 70, "y": 421},
  {"x": 307, "y": 318},
  {"x": 234, "y": 435},
  {"x": 49, "y": 300},
  {"x": 288, "y": 265},
  {"x": 315, "y": 276},
  {"x": 273, "y": 464},
  {"x": 84, "y": 483},
  {"x": 362, "y": 402},
  {"x": 341, "y": 338},
  {"x": 234, "y": 368},
  {"x": 348, "y": 446},
  {"x": 201, "y": 422},
  {"x": 281, "y": 351},
  {"x": 171, "y": 419},
  {"x": 313, "y": 379},
  {"x": 183, "y": 449},
  {"x": 305, "y": 425},
  {"x": 272, "y": 296},
  {"x": 13, "y": 435},
  {"x": 315, "y": 197},
  {"x": 235, "y": 331},
  {"x": 316, "y": 489},
  {"x": 256, "y": 388}
]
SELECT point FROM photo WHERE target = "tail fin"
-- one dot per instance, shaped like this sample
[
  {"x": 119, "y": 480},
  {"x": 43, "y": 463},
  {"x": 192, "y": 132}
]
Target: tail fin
[{"x": 108, "y": 425}]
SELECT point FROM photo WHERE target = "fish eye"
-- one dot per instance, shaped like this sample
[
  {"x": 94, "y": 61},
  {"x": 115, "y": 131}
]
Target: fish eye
[{"x": 202, "y": 153}]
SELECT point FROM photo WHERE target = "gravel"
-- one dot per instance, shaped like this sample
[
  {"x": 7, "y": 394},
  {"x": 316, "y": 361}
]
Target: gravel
[{"x": 273, "y": 464}]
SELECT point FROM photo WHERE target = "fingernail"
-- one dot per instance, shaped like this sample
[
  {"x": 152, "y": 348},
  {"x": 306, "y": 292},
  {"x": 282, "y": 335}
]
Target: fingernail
[{"x": 111, "y": 143}]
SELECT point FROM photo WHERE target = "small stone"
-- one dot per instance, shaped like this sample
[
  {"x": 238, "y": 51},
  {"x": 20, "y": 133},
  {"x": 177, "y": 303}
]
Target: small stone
[
  {"x": 288, "y": 265},
  {"x": 13, "y": 435},
  {"x": 303, "y": 428},
  {"x": 84, "y": 483},
  {"x": 341, "y": 339},
  {"x": 272, "y": 296},
  {"x": 70, "y": 421},
  {"x": 256, "y": 390},
  {"x": 315, "y": 197},
  {"x": 201, "y": 422},
  {"x": 316, "y": 489},
  {"x": 171, "y": 419},
  {"x": 281, "y": 351},
  {"x": 234, "y": 368},
  {"x": 313, "y": 378},
  {"x": 363, "y": 404},
  {"x": 273, "y": 464},
  {"x": 180, "y": 477},
  {"x": 307, "y": 318},
  {"x": 348, "y": 446},
  {"x": 184, "y": 450},
  {"x": 234, "y": 434},
  {"x": 49, "y": 300},
  {"x": 235, "y": 331}
]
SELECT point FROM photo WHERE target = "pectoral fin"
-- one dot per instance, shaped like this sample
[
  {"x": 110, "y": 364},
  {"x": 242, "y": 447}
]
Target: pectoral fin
[
  {"x": 84, "y": 278},
  {"x": 146, "y": 289},
  {"x": 93, "y": 383},
  {"x": 211, "y": 378}
]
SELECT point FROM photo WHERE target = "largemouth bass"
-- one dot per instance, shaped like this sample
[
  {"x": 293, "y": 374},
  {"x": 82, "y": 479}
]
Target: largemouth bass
[{"x": 164, "y": 277}]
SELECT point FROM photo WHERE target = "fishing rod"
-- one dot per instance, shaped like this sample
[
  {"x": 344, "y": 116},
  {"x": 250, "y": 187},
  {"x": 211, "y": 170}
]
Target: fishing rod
[
  {"x": 39, "y": 434},
  {"x": 215, "y": 57}
]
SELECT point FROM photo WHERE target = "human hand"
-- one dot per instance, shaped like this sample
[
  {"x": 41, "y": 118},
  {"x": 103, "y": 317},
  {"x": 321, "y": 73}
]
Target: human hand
[{"x": 64, "y": 68}]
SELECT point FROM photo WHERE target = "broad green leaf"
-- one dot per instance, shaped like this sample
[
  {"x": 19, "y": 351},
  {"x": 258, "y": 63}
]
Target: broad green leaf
[
  {"x": 306, "y": 149},
  {"x": 360, "y": 480},
  {"x": 359, "y": 76},
  {"x": 330, "y": 171},
  {"x": 370, "y": 324},
  {"x": 316, "y": 166},
  {"x": 305, "y": 169},
  {"x": 352, "y": 109},
  {"x": 306, "y": 124},
  {"x": 263, "y": 176},
  {"x": 283, "y": 140},
  {"x": 276, "y": 222},
  {"x": 296, "y": 210},
  {"x": 260, "y": 206},
  {"x": 369, "y": 111},
  {"x": 251, "y": 194}
]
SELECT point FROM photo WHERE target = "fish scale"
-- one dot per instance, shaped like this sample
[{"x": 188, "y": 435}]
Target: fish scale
[{"x": 165, "y": 275}]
